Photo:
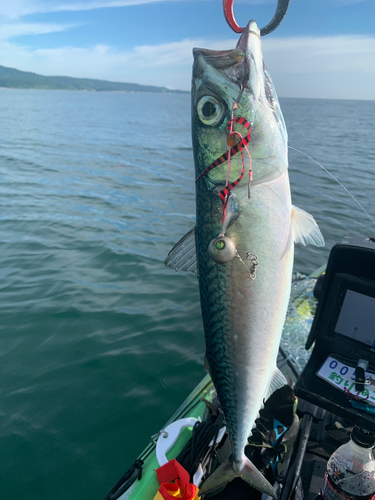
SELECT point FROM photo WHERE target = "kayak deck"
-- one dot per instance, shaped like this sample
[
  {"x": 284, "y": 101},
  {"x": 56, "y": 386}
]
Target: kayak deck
[{"x": 300, "y": 314}]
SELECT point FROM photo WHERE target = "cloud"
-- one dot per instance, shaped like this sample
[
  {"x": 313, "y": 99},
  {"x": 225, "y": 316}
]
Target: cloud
[
  {"x": 331, "y": 67},
  {"x": 91, "y": 5},
  {"x": 331, "y": 54},
  {"x": 12, "y": 30},
  {"x": 16, "y": 9},
  {"x": 341, "y": 3},
  {"x": 103, "y": 61}
]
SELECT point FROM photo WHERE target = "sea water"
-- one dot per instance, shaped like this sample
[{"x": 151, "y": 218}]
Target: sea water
[{"x": 99, "y": 342}]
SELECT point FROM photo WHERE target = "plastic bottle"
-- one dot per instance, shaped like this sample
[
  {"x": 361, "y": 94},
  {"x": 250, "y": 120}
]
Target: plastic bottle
[{"x": 350, "y": 471}]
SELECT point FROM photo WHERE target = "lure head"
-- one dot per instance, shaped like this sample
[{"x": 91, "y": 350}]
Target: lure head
[
  {"x": 221, "y": 79},
  {"x": 222, "y": 249}
]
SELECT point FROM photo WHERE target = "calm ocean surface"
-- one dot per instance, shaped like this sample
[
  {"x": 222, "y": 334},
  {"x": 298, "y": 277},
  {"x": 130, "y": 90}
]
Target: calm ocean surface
[{"x": 99, "y": 342}]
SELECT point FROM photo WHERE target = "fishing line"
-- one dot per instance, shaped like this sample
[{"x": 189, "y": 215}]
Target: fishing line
[
  {"x": 334, "y": 178},
  {"x": 235, "y": 148}
]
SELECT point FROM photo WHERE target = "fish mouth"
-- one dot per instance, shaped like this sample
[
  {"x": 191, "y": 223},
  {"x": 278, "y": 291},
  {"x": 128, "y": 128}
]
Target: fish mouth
[
  {"x": 242, "y": 65},
  {"x": 250, "y": 71},
  {"x": 251, "y": 29}
]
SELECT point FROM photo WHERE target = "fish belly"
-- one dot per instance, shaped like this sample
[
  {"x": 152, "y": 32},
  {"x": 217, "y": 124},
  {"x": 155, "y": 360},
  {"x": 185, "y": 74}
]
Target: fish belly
[{"x": 243, "y": 318}]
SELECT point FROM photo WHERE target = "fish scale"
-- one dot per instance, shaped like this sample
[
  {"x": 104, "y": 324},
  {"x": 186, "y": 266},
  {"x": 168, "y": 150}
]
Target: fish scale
[
  {"x": 213, "y": 293},
  {"x": 243, "y": 311}
]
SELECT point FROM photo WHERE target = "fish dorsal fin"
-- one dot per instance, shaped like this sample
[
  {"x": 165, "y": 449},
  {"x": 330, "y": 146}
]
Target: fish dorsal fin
[
  {"x": 183, "y": 256},
  {"x": 305, "y": 229},
  {"x": 278, "y": 380}
]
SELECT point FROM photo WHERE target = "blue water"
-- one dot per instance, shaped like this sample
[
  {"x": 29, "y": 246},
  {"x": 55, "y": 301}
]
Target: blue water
[{"x": 99, "y": 342}]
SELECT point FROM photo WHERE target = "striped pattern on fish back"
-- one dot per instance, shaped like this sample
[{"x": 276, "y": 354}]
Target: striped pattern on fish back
[{"x": 213, "y": 287}]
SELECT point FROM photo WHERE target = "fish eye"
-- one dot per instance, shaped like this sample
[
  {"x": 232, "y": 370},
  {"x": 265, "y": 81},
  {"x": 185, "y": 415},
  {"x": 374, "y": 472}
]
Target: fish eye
[{"x": 210, "y": 110}]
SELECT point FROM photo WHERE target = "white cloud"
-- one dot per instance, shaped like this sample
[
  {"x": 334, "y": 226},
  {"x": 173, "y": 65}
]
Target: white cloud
[
  {"x": 341, "y": 3},
  {"x": 90, "y": 5},
  {"x": 321, "y": 54},
  {"x": 16, "y": 9},
  {"x": 332, "y": 67},
  {"x": 102, "y": 61},
  {"x": 310, "y": 55},
  {"x": 12, "y": 30}
]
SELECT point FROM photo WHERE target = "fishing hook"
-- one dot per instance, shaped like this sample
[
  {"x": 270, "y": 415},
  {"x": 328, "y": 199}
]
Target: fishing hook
[{"x": 282, "y": 7}]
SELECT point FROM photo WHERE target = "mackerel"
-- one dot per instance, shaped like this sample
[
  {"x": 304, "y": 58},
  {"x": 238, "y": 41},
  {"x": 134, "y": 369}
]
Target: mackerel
[{"x": 241, "y": 250}]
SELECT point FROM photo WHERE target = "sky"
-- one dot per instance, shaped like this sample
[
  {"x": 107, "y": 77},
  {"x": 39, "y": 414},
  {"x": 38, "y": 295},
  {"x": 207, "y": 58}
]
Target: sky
[{"x": 323, "y": 49}]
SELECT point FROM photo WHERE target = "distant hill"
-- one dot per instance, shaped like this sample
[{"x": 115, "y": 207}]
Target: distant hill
[{"x": 15, "y": 79}]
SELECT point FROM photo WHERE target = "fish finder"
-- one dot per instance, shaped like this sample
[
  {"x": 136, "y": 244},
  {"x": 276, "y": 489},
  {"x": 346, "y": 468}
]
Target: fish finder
[{"x": 340, "y": 374}]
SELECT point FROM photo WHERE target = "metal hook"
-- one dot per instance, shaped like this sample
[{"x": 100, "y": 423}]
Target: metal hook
[{"x": 281, "y": 9}]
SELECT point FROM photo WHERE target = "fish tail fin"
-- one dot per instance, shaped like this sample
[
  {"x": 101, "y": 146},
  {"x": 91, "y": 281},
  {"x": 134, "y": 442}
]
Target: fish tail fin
[
  {"x": 226, "y": 473},
  {"x": 255, "y": 478}
]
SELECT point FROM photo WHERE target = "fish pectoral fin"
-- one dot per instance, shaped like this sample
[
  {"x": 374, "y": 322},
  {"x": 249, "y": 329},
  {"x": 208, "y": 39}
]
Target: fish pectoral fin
[
  {"x": 305, "y": 229},
  {"x": 226, "y": 473},
  {"x": 278, "y": 380},
  {"x": 183, "y": 256}
]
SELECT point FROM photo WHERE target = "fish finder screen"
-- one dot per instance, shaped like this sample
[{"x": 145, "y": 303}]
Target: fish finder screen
[{"x": 357, "y": 318}]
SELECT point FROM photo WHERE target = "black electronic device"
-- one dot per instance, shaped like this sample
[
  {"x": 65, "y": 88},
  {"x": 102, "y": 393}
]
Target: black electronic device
[{"x": 344, "y": 334}]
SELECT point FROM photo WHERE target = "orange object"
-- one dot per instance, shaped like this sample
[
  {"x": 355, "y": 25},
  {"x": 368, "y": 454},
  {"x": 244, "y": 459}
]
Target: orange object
[
  {"x": 175, "y": 483},
  {"x": 232, "y": 140}
]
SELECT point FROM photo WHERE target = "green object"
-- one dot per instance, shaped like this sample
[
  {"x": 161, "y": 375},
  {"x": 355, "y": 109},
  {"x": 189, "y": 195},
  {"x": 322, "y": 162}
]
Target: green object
[{"x": 302, "y": 305}]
